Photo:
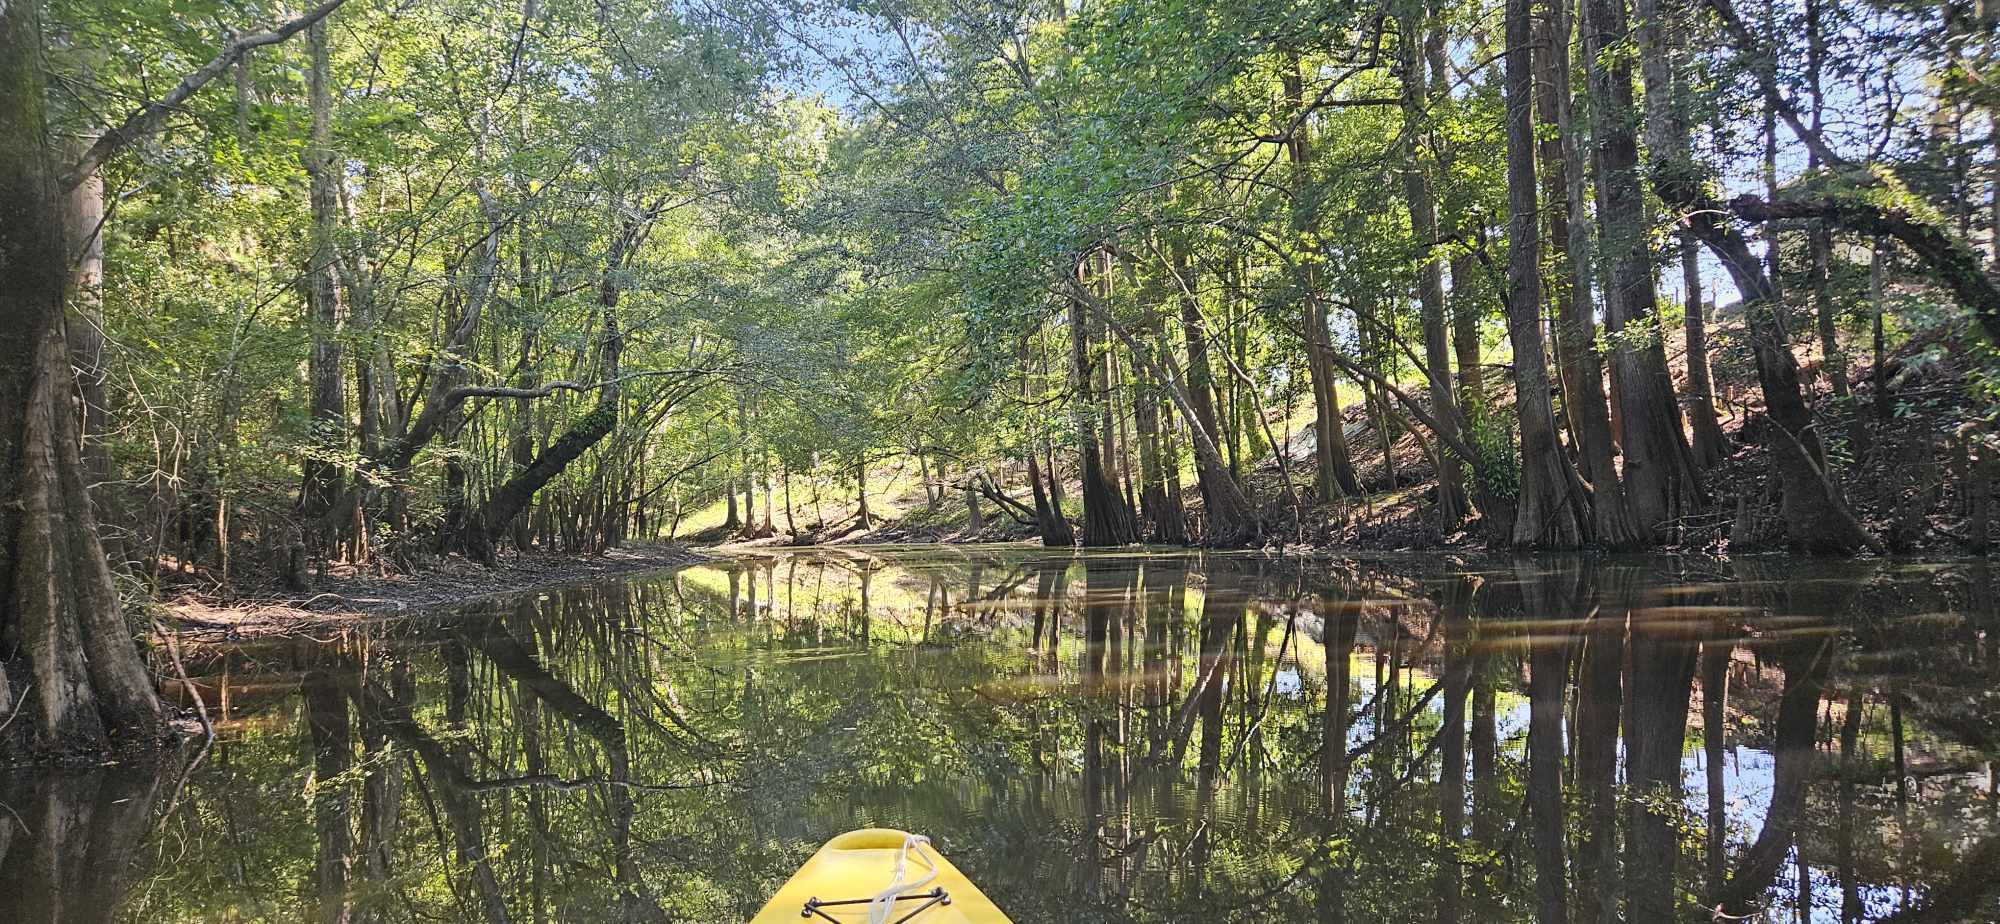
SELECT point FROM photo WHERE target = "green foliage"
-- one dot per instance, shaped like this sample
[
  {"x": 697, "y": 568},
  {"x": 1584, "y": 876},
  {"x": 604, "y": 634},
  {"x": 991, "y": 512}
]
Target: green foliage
[
  {"x": 1493, "y": 437},
  {"x": 837, "y": 234}
]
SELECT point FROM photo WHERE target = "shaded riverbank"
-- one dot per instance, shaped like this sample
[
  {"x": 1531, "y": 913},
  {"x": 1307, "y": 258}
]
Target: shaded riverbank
[
  {"x": 1911, "y": 454},
  {"x": 348, "y": 596}
]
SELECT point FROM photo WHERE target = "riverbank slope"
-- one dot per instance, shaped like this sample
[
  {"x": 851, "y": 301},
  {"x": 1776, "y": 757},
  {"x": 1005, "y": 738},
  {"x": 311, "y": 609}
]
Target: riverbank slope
[{"x": 347, "y": 595}]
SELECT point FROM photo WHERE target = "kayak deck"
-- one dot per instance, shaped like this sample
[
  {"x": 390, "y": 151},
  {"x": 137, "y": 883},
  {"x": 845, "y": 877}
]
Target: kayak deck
[{"x": 836, "y": 883}]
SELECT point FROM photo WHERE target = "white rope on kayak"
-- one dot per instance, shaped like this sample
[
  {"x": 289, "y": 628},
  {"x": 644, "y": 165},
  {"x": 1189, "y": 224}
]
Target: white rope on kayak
[{"x": 884, "y": 902}]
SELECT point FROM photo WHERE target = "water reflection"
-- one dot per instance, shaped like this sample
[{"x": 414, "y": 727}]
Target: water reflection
[{"x": 1113, "y": 737}]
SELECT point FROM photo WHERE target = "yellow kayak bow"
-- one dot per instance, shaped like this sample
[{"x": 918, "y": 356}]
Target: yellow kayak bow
[{"x": 856, "y": 869}]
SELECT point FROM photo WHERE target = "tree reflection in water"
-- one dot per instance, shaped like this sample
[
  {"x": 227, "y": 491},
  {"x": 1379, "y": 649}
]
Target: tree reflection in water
[{"x": 1105, "y": 737}]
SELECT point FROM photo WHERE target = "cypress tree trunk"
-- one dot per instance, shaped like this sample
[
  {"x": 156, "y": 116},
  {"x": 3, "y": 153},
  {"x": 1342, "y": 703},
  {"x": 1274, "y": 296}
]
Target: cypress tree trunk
[
  {"x": 1548, "y": 514},
  {"x": 455, "y": 486},
  {"x": 1659, "y": 469},
  {"x": 1430, "y": 271},
  {"x": 1049, "y": 520},
  {"x": 1106, "y": 521},
  {"x": 1050, "y": 523},
  {"x": 521, "y": 443},
  {"x": 1117, "y": 443},
  {"x": 974, "y": 521},
  {"x": 75, "y": 680},
  {"x": 381, "y": 414},
  {"x": 1878, "y": 277},
  {"x": 764, "y": 478},
  {"x": 326, "y": 386},
  {"x": 1833, "y": 360},
  {"x": 861, "y": 513},
  {"x": 1159, "y": 493},
  {"x": 86, "y": 337},
  {"x": 1576, "y": 333},
  {"x": 1465, "y": 307},
  {"x": 1230, "y": 519},
  {"x": 1466, "y": 313},
  {"x": 1816, "y": 518},
  {"x": 1708, "y": 440},
  {"x": 1102, "y": 387},
  {"x": 1336, "y": 476},
  {"x": 1152, "y": 420},
  {"x": 734, "y": 519},
  {"x": 749, "y": 489},
  {"x": 1174, "y": 508},
  {"x": 1056, "y": 495},
  {"x": 1380, "y": 358},
  {"x": 1214, "y": 481}
]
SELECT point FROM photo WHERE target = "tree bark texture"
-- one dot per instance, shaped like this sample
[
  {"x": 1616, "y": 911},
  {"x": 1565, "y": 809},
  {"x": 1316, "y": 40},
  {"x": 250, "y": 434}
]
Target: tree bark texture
[
  {"x": 1430, "y": 269},
  {"x": 1547, "y": 515},
  {"x": 1335, "y": 463},
  {"x": 1582, "y": 367},
  {"x": 1106, "y": 520},
  {"x": 1659, "y": 472},
  {"x": 325, "y": 379},
  {"x": 75, "y": 674}
]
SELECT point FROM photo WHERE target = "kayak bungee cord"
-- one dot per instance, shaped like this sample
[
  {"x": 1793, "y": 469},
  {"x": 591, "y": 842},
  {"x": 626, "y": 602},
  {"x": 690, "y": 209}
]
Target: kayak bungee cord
[
  {"x": 936, "y": 896},
  {"x": 884, "y": 901}
]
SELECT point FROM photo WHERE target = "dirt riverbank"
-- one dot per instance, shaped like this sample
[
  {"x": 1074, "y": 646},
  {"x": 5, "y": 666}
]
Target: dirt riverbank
[{"x": 345, "y": 595}]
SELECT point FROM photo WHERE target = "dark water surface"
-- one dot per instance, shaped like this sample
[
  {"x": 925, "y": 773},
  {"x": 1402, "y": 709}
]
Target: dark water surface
[{"x": 1156, "y": 737}]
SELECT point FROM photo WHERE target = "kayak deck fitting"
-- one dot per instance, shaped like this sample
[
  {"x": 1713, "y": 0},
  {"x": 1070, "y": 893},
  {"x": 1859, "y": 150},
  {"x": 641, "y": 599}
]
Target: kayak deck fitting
[
  {"x": 840, "y": 882},
  {"x": 936, "y": 896}
]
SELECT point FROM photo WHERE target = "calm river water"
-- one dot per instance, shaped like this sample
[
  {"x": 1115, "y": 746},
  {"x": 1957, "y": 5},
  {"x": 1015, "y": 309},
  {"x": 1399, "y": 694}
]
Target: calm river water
[{"x": 1106, "y": 737}]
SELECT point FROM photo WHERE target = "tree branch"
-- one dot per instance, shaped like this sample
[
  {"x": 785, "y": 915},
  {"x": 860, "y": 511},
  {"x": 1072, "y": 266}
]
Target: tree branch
[
  {"x": 1952, "y": 263},
  {"x": 457, "y": 395},
  {"x": 1747, "y": 44},
  {"x": 1015, "y": 510},
  {"x": 146, "y": 120},
  {"x": 1453, "y": 442}
]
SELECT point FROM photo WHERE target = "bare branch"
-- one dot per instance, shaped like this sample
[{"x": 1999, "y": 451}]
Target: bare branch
[{"x": 1746, "y": 43}]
